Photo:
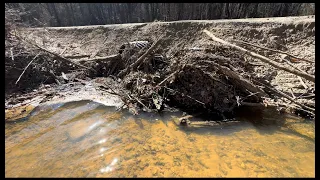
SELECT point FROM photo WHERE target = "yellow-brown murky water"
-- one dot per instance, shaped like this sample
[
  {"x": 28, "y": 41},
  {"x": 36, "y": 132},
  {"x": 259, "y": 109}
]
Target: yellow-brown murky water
[{"x": 86, "y": 139}]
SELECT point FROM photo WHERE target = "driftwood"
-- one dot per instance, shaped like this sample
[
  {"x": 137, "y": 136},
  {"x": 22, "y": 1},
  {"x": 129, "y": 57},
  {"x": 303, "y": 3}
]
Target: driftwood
[
  {"x": 26, "y": 68},
  {"x": 262, "y": 58},
  {"x": 139, "y": 60},
  {"x": 273, "y": 50}
]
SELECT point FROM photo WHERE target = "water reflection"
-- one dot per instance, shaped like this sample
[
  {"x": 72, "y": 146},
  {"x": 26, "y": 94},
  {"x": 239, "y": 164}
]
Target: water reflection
[
  {"x": 110, "y": 167},
  {"x": 86, "y": 139}
]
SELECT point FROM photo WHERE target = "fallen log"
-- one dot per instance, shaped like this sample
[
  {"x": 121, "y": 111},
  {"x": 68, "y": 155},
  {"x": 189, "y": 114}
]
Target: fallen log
[
  {"x": 262, "y": 58},
  {"x": 273, "y": 50}
]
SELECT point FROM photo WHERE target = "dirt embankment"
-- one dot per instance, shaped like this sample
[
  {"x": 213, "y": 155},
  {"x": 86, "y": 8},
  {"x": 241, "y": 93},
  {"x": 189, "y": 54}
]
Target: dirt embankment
[{"x": 193, "y": 71}]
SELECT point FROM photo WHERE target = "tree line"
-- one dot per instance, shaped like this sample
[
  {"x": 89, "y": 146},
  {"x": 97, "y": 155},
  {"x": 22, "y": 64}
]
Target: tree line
[{"x": 77, "y": 14}]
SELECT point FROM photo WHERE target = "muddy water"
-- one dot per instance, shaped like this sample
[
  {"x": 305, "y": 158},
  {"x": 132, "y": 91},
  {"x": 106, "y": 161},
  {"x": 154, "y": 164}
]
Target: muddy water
[{"x": 87, "y": 139}]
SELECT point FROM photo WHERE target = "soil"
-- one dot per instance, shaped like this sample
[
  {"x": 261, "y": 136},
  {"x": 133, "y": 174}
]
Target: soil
[{"x": 182, "y": 42}]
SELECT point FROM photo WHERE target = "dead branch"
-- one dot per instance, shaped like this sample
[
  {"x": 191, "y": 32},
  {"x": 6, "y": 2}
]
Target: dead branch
[
  {"x": 139, "y": 60},
  {"x": 174, "y": 73},
  {"x": 252, "y": 104},
  {"x": 288, "y": 62},
  {"x": 297, "y": 107},
  {"x": 163, "y": 81},
  {"x": 273, "y": 50},
  {"x": 293, "y": 96},
  {"x": 141, "y": 103},
  {"x": 242, "y": 81},
  {"x": 130, "y": 97},
  {"x": 308, "y": 96},
  {"x": 185, "y": 95},
  {"x": 77, "y": 56},
  {"x": 105, "y": 58},
  {"x": 63, "y": 58},
  {"x": 24, "y": 70},
  {"x": 286, "y": 96},
  {"x": 55, "y": 54},
  {"x": 11, "y": 54},
  {"x": 63, "y": 51},
  {"x": 95, "y": 53},
  {"x": 55, "y": 77},
  {"x": 273, "y": 106},
  {"x": 303, "y": 84},
  {"x": 262, "y": 58}
]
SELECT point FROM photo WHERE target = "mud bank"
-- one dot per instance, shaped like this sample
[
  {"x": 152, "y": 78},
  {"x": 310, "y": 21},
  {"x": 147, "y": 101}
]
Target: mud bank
[{"x": 194, "y": 73}]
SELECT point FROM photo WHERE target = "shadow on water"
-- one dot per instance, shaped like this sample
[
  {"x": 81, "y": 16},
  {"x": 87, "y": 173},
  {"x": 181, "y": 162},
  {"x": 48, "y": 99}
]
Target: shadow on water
[
  {"x": 88, "y": 135},
  {"x": 265, "y": 121}
]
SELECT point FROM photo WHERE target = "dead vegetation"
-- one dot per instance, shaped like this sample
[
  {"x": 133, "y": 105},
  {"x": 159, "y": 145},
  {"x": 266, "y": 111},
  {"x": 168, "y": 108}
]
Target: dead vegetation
[{"x": 217, "y": 77}]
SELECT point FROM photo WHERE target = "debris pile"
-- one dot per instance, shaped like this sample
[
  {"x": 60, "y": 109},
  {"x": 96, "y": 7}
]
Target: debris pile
[{"x": 217, "y": 77}]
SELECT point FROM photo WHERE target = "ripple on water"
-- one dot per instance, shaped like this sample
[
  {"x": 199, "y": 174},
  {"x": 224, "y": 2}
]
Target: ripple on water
[{"x": 86, "y": 139}]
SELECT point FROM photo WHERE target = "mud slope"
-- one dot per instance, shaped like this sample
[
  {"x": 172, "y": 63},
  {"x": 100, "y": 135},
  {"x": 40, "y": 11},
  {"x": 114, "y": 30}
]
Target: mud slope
[
  {"x": 296, "y": 32},
  {"x": 295, "y": 35}
]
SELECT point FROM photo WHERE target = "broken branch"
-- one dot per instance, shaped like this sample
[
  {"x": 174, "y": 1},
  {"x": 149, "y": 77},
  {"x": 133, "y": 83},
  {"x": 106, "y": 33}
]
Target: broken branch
[
  {"x": 286, "y": 96},
  {"x": 62, "y": 58},
  {"x": 26, "y": 68},
  {"x": 273, "y": 50},
  {"x": 140, "y": 59},
  {"x": 251, "y": 87},
  {"x": 55, "y": 54},
  {"x": 262, "y": 58},
  {"x": 106, "y": 58},
  {"x": 303, "y": 84}
]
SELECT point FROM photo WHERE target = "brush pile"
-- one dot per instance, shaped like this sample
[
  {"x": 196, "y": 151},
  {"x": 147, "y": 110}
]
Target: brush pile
[{"x": 217, "y": 77}]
